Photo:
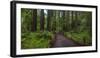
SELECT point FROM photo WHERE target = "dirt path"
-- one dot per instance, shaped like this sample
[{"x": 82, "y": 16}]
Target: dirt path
[{"x": 61, "y": 41}]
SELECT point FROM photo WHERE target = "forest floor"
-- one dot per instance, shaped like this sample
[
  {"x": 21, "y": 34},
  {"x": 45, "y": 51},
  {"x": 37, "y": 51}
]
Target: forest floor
[{"x": 61, "y": 41}]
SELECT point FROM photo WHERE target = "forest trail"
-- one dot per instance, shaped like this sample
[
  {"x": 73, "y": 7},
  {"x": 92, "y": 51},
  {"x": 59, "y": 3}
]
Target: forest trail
[{"x": 61, "y": 41}]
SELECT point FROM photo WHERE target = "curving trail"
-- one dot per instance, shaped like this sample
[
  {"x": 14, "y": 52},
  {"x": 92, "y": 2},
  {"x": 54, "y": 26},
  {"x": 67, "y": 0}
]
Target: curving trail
[{"x": 61, "y": 41}]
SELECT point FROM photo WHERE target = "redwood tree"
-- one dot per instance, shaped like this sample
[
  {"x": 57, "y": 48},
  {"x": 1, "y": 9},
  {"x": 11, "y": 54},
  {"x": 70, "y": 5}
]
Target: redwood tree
[
  {"x": 42, "y": 19},
  {"x": 34, "y": 20}
]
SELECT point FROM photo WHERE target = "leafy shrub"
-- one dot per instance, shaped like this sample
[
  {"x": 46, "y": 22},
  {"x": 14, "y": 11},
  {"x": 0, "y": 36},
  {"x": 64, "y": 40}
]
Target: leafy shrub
[
  {"x": 82, "y": 37},
  {"x": 36, "y": 40},
  {"x": 45, "y": 34}
]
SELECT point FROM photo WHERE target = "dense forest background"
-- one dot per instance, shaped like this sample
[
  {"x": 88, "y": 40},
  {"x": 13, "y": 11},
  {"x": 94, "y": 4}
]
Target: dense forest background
[{"x": 39, "y": 27}]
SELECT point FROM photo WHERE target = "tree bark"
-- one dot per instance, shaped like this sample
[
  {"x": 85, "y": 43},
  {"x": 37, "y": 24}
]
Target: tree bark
[
  {"x": 49, "y": 18},
  {"x": 34, "y": 20},
  {"x": 72, "y": 20},
  {"x": 42, "y": 20}
]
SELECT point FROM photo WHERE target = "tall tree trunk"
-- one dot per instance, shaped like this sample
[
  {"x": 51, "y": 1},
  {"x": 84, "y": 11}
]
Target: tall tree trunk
[
  {"x": 72, "y": 20},
  {"x": 67, "y": 21},
  {"x": 42, "y": 19},
  {"x": 57, "y": 20},
  {"x": 53, "y": 25},
  {"x": 49, "y": 15},
  {"x": 76, "y": 21},
  {"x": 63, "y": 18},
  {"x": 34, "y": 20}
]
